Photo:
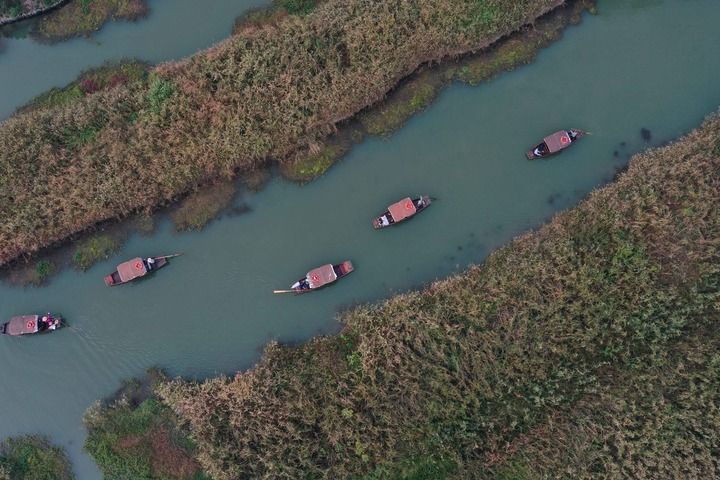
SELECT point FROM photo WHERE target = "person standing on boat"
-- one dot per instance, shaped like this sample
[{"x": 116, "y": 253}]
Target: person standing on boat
[{"x": 150, "y": 262}]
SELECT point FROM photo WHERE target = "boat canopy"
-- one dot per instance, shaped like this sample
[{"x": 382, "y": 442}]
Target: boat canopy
[
  {"x": 557, "y": 141},
  {"x": 403, "y": 209},
  {"x": 23, "y": 324},
  {"x": 131, "y": 269},
  {"x": 321, "y": 276}
]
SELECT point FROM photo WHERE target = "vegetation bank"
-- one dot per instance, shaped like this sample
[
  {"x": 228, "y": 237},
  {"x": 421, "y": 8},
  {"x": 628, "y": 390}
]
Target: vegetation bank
[
  {"x": 271, "y": 93},
  {"x": 586, "y": 349}
]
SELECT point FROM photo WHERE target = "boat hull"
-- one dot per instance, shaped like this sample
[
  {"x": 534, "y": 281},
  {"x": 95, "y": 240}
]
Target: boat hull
[
  {"x": 378, "y": 223},
  {"x": 341, "y": 270},
  {"x": 113, "y": 279},
  {"x": 19, "y": 326},
  {"x": 530, "y": 154}
]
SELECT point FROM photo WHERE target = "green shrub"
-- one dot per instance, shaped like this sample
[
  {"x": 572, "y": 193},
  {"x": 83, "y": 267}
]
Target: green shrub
[
  {"x": 135, "y": 437},
  {"x": 160, "y": 90},
  {"x": 297, "y": 7},
  {"x": 32, "y": 458}
]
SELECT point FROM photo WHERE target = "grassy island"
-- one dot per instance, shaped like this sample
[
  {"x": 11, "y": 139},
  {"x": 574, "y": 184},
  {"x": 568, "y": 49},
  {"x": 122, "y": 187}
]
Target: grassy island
[
  {"x": 271, "y": 93},
  {"x": 32, "y": 458},
  {"x": 586, "y": 349}
]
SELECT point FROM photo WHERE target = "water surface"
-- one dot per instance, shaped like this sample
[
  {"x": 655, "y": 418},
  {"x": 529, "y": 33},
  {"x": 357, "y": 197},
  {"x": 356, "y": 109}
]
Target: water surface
[
  {"x": 172, "y": 30},
  {"x": 636, "y": 65}
]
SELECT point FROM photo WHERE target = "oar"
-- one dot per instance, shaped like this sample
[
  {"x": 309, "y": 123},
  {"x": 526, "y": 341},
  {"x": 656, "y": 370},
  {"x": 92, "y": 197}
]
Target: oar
[
  {"x": 171, "y": 256},
  {"x": 284, "y": 291}
]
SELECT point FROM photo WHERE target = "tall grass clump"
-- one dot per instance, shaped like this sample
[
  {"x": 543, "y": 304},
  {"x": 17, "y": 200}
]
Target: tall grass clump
[
  {"x": 269, "y": 93},
  {"x": 586, "y": 349}
]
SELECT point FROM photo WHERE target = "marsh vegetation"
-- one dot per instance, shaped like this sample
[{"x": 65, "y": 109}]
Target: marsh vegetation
[
  {"x": 266, "y": 94},
  {"x": 574, "y": 350}
]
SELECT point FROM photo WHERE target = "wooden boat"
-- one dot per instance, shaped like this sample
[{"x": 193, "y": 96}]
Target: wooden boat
[
  {"x": 319, "y": 277},
  {"x": 136, "y": 268},
  {"x": 402, "y": 210},
  {"x": 555, "y": 143},
  {"x": 31, "y": 324}
]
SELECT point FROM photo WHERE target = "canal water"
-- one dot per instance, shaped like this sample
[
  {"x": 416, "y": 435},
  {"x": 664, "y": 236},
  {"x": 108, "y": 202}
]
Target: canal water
[
  {"x": 172, "y": 30},
  {"x": 637, "y": 65}
]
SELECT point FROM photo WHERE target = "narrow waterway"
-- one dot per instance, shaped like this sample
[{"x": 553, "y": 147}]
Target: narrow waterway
[
  {"x": 172, "y": 30},
  {"x": 638, "y": 64}
]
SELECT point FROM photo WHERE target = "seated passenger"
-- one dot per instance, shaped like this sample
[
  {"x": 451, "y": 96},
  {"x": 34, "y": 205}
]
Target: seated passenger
[
  {"x": 540, "y": 150},
  {"x": 149, "y": 263}
]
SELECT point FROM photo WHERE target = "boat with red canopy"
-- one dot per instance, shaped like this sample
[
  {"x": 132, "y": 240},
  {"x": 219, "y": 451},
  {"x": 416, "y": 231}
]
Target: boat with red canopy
[
  {"x": 31, "y": 324},
  {"x": 402, "y": 210},
  {"x": 136, "y": 268},
  {"x": 320, "y": 277},
  {"x": 555, "y": 143}
]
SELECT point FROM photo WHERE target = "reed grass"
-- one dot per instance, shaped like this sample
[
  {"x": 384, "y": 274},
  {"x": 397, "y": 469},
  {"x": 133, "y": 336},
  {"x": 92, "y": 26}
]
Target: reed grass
[
  {"x": 585, "y": 349},
  {"x": 267, "y": 94}
]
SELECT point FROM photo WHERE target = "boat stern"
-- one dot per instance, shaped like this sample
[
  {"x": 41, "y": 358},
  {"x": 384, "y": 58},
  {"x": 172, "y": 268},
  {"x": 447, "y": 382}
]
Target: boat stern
[{"x": 346, "y": 267}]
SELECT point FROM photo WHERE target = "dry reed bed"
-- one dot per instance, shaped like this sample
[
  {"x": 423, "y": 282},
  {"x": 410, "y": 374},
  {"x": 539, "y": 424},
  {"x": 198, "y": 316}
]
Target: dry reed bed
[
  {"x": 614, "y": 296},
  {"x": 266, "y": 94}
]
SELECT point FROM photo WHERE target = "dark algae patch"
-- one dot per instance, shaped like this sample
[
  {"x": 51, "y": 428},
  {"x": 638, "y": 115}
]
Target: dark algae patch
[
  {"x": 33, "y": 457},
  {"x": 585, "y": 349},
  {"x": 267, "y": 95}
]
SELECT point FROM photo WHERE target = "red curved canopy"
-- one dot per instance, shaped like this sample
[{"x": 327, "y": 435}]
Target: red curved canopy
[
  {"x": 131, "y": 269},
  {"x": 403, "y": 209},
  {"x": 320, "y": 276},
  {"x": 557, "y": 141}
]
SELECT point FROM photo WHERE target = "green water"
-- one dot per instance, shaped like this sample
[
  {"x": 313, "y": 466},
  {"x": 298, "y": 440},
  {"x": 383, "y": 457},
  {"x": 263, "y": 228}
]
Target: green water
[
  {"x": 636, "y": 65},
  {"x": 172, "y": 30}
]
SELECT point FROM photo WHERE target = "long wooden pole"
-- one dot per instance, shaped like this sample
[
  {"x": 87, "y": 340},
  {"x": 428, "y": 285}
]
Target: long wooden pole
[
  {"x": 171, "y": 256},
  {"x": 284, "y": 291}
]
